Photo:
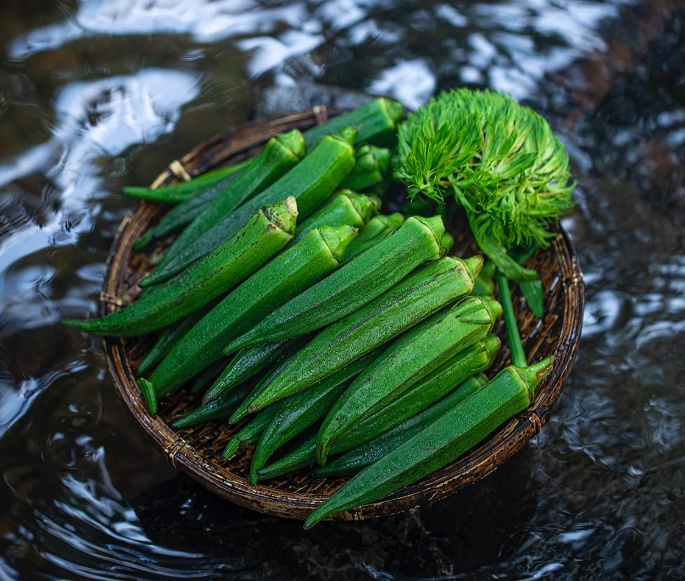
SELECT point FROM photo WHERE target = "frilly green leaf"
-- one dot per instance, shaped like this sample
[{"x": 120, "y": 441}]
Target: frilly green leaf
[{"x": 501, "y": 161}]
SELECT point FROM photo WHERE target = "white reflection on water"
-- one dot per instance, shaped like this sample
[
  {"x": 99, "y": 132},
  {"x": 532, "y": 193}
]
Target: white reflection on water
[{"x": 94, "y": 119}]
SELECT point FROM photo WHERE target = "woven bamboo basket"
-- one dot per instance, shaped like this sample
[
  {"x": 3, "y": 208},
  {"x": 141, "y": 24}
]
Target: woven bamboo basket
[{"x": 197, "y": 450}]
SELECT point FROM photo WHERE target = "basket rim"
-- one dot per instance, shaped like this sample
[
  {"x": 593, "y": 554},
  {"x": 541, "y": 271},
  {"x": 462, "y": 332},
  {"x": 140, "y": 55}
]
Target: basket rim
[{"x": 475, "y": 465}]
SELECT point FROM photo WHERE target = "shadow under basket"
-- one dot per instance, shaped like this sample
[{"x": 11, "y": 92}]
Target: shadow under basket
[{"x": 197, "y": 451}]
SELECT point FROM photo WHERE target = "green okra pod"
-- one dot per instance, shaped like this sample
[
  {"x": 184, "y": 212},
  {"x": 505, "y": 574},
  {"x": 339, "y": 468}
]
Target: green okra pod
[
  {"x": 353, "y": 461},
  {"x": 169, "y": 337},
  {"x": 406, "y": 362},
  {"x": 221, "y": 407},
  {"x": 370, "y": 169},
  {"x": 353, "y": 285},
  {"x": 280, "y": 155},
  {"x": 422, "y": 293},
  {"x": 246, "y": 364},
  {"x": 302, "y": 410},
  {"x": 243, "y": 408},
  {"x": 377, "y": 230},
  {"x": 376, "y": 123},
  {"x": 296, "y": 269},
  {"x": 303, "y": 456},
  {"x": 185, "y": 190},
  {"x": 149, "y": 395},
  {"x": 441, "y": 442},
  {"x": 251, "y": 433},
  {"x": 206, "y": 377},
  {"x": 269, "y": 230},
  {"x": 474, "y": 359},
  {"x": 311, "y": 182},
  {"x": 344, "y": 207},
  {"x": 446, "y": 242}
]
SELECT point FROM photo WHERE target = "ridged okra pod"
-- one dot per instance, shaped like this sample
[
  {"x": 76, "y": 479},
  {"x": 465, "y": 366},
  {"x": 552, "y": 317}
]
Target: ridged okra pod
[
  {"x": 311, "y": 182},
  {"x": 267, "y": 232},
  {"x": 474, "y": 359},
  {"x": 243, "y": 408},
  {"x": 183, "y": 191},
  {"x": 246, "y": 364},
  {"x": 442, "y": 442},
  {"x": 370, "y": 168},
  {"x": 376, "y": 122},
  {"x": 169, "y": 337},
  {"x": 377, "y": 230},
  {"x": 251, "y": 433},
  {"x": 221, "y": 407},
  {"x": 302, "y": 410},
  {"x": 353, "y": 285},
  {"x": 299, "y": 267},
  {"x": 280, "y": 155},
  {"x": 406, "y": 362},
  {"x": 344, "y": 207},
  {"x": 415, "y": 298},
  {"x": 353, "y": 461}
]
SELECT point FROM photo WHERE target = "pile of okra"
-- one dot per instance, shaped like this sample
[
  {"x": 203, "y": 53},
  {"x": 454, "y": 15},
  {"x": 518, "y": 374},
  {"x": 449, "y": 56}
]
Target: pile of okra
[{"x": 343, "y": 340}]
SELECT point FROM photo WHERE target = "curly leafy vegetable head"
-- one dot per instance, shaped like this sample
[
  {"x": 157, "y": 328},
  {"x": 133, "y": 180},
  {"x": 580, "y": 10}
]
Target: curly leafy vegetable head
[{"x": 501, "y": 161}]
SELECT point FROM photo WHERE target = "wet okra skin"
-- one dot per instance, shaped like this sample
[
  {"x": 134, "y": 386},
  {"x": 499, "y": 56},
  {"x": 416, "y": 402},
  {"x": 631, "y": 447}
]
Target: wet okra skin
[
  {"x": 376, "y": 123},
  {"x": 296, "y": 413},
  {"x": 268, "y": 231},
  {"x": 311, "y": 182},
  {"x": 280, "y": 154},
  {"x": 419, "y": 295},
  {"x": 353, "y": 461},
  {"x": 442, "y": 442},
  {"x": 343, "y": 207},
  {"x": 474, "y": 359},
  {"x": 353, "y": 285},
  {"x": 407, "y": 361},
  {"x": 293, "y": 271}
]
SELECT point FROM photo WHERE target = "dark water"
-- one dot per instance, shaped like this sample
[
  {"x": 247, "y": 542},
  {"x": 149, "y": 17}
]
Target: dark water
[{"x": 95, "y": 94}]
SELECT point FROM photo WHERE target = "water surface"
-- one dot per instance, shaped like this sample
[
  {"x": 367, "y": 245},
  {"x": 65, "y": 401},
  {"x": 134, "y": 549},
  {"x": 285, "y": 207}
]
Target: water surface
[{"x": 95, "y": 94}]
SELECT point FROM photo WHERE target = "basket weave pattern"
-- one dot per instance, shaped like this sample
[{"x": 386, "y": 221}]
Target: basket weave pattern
[{"x": 198, "y": 450}]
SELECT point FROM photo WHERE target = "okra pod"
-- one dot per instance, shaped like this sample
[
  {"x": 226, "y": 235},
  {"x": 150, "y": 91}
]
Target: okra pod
[
  {"x": 243, "y": 409},
  {"x": 206, "y": 377},
  {"x": 302, "y": 410},
  {"x": 442, "y": 442},
  {"x": 280, "y": 155},
  {"x": 221, "y": 407},
  {"x": 250, "y": 434},
  {"x": 370, "y": 168},
  {"x": 353, "y": 461},
  {"x": 185, "y": 190},
  {"x": 311, "y": 182},
  {"x": 415, "y": 298},
  {"x": 296, "y": 269},
  {"x": 406, "y": 362},
  {"x": 269, "y": 230},
  {"x": 475, "y": 359},
  {"x": 376, "y": 123},
  {"x": 446, "y": 242},
  {"x": 472, "y": 360},
  {"x": 377, "y": 230},
  {"x": 302, "y": 456},
  {"x": 344, "y": 207},
  {"x": 353, "y": 285},
  {"x": 169, "y": 337},
  {"x": 246, "y": 364}
]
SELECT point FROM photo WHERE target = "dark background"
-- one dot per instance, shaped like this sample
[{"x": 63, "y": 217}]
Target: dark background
[{"x": 101, "y": 93}]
